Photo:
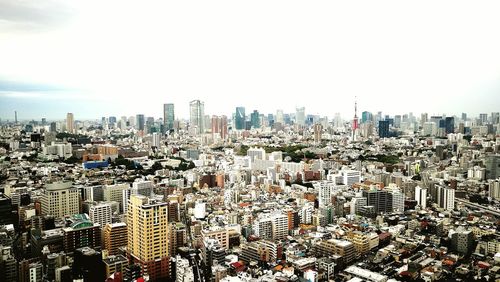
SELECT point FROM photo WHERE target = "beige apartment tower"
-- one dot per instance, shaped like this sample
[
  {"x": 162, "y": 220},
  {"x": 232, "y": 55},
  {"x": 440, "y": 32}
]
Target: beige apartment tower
[
  {"x": 70, "y": 123},
  {"x": 147, "y": 225}
]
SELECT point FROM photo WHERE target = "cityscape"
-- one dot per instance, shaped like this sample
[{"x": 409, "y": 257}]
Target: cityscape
[
  {"x": 251, "y": 197},
  {"x": 249, "y": 141}
]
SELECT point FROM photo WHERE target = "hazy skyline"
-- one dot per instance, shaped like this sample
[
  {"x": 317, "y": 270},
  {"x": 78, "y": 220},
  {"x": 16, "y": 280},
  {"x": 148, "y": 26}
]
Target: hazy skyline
[{"x": 96, "y": 58}]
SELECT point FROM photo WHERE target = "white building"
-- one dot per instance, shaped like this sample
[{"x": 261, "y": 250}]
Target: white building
[
  {"x": 101, "y": 214},
  {"x": 421, "y": 197},
  {"x": 60, "y": 199}
]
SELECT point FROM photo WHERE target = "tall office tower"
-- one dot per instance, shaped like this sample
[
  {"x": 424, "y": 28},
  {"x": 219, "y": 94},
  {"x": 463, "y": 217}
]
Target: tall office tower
[
  {"x": 147, "y": 227},
  {"x": 239, "y": 118},
  {"x": 279, "y": 117},
  {"x": 383, "y": 129},
  {"x": 168, "y": 117},
  {"x": 483, "y": 118},
  {"x": 223, "y": 127},
  {"x": 70, "y": 123},
  {"x": 495, "y": 117},
  {"x": 270, "y": 119},
  {"x": 255, "y": 119},
  {"x": 219, "y": 126},
  {"x": 446, "y": 198},
  {"x": 366, "y": 116},
  {"x": 53, "y": 127},
  {"x": 60, "y": 199},
  {"x": 300, "y": 116},
  {"x": 318, "y": 130},
  {"x": 421, "y": 197},
  {"x": 492, "y": 164},
  {"x": 139, "y": 122},
  {"x": 215, "y": 124},
  {"x": 101, "y": 214},
  {"x": 115, "y": 236},
  {"x": 397, "y": 121},
  {"x": 423, "y": 118},
  {"x": 449, "y": 125},
  {"x": 464, "y": 117},
  {"x": 112, "y": 119},
  {"x": 337, "y": 121},
  {"x": 196, "y": 116}
]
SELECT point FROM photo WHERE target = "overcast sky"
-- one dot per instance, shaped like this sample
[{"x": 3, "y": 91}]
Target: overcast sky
[{"x": 102, "y": 58}]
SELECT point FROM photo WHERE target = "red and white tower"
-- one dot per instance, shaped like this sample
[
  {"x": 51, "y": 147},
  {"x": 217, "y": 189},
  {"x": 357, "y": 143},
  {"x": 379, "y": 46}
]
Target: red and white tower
[{"x": 355, "y": 120}]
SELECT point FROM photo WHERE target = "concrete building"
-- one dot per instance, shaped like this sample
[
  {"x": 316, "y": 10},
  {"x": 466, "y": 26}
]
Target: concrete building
[
  {"x": 147, "y": 228},
  {"x": 60, "y": 199},
  {"x": 115, "y": 236},
  {"x": 101, "y": 214}
]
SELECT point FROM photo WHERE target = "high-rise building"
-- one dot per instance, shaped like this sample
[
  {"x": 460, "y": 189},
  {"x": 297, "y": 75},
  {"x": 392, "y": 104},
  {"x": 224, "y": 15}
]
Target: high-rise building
[
  {"x": 492, "y": 164},
  {"x": 239, "y": 118},
  {"x": 140, "y": 122},
  {"x": 318, "y": 131},
  {"x": 53, "y": 127},
  {"x": 300, "y": 116},
  {"x": 147, "y": 226},
  {"x": 156, "y": 140},
  {"x": 219, "y": 127},
  {"x": 101, "y": 214},
  {"x": 421, "y": 197},
  {"x": 494, "y": 189},
  {"x": 255, "y": 119},
  {"x": 60, "y": 199},
  {"x": 279, "y": 117},
  {"x": 115, "y": 193},
  {"x": 70, "y": 123},
  {"x": 5, "y": 210},
  {"x": 446, "y": 198},
  {"x": 449, "y": 125},
  {"x": 168, "y": 117},
  {"x": 366, "y": 116},
  {"x": 115, "y": 236},
  {"x": 379, "y": 199},
  {"x": 196, "y": 117},
  {"x": 383, "y": 129}
]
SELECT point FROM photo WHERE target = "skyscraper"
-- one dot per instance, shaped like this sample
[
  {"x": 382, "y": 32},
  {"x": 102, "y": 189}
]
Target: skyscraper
[
  {"x": 219, "y": 126},
  {"x": 239, "y": 118},
  {"x": 196, "y": 116},
  {"x": 70, "y": 123},
  {"x": 318, "y": 130},
  {"x": 383, "y": 129},
  {"x": 255, "y": 119},
  {"x": 300, "y": 116},
  {"x": 139, "y": 122},
  {"x": 147, "y": 226},
  {"x": 168, "y": 117}
]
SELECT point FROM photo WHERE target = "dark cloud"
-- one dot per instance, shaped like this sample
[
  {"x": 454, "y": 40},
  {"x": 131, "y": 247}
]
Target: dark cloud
[{"x": 22, "y": 15}]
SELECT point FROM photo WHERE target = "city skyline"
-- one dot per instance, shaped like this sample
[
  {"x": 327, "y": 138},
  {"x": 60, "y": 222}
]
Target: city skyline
[{"x": 58, "y": 57}]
